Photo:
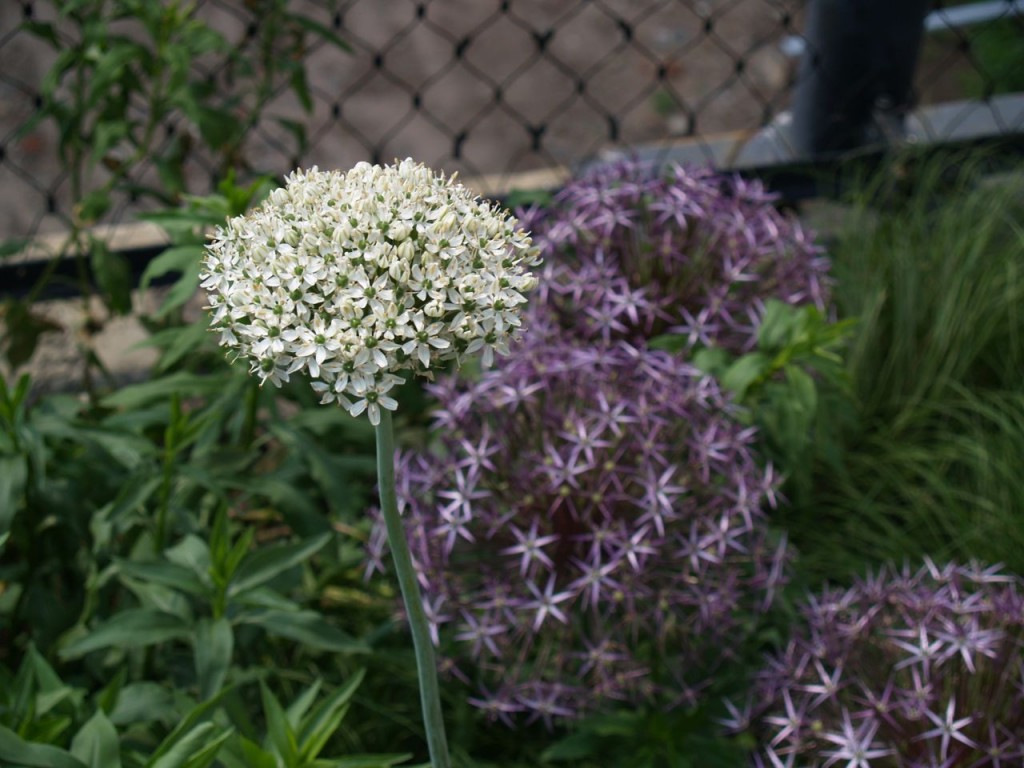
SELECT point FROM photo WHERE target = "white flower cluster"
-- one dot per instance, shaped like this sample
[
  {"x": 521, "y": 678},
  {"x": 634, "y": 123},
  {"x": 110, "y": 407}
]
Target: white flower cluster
[{"x": 354, "y": 277}]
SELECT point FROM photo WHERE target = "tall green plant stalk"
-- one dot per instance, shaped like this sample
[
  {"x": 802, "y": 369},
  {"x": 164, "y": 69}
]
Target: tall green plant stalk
[{"x": 430, "y": 696}]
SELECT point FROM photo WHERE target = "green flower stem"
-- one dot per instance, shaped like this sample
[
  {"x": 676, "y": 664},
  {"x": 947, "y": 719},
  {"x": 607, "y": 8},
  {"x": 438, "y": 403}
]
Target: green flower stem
[{"x": 430, "y": 697}]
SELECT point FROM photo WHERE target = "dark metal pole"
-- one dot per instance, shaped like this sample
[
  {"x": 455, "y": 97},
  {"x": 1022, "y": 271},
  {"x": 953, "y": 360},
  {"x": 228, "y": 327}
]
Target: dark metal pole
[{"x": 858, "y": 65}]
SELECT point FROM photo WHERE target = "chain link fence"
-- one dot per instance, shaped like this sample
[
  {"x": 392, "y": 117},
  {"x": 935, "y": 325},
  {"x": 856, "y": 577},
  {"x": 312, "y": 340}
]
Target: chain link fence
[{"x": 493, "y": 88}]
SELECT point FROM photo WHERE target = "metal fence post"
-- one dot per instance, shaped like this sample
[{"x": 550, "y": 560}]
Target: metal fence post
[{"x": 858, "y": 64}]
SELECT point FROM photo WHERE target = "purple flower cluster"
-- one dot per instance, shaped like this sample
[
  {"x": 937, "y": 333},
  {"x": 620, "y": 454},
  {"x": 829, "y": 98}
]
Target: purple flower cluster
[
  {"x": 630, "y": 253},
  {"x": 588, "y": 523},
  {"x": 902, "y": 670},
  {"x": 587, "y": 527}
]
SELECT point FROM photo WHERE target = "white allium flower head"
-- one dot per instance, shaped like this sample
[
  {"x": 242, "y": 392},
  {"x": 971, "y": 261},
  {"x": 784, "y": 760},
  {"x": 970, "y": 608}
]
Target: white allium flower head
[{"x": 353, "y": 277}]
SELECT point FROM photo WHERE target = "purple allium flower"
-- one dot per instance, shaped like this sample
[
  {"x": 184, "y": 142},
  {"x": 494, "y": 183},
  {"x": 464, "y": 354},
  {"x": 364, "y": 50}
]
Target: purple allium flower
[
  {"x": 590, "y": 519},
  {"x": 630, "y": 253},
  {"x": 902, "y": 669}
]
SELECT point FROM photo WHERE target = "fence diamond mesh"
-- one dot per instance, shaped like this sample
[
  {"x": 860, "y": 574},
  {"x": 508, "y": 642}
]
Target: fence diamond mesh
[{"x": 491, "y": 88}]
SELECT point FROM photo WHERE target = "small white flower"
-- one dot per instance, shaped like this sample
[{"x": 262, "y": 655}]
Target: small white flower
[{"x": 353, "y": 277}]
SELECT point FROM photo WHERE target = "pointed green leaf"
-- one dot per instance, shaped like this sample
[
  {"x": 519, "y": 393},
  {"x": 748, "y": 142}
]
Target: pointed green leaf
[
  {"x": 113, "y": 275},
  {"x": 279, "y": 731},
  {"x": 323, "y": 721},
  {"x": 132, "y": 497},
  {"x": 192, "y": 553},
  {"x": 298, "y": 708},
  {"x": 142, "y": 703},
  {"x": 48, "y": 683},
  {"x": 185, "y": 746},
  {"x": 673, "y": 343},
  {"x": 255, "y": 756},
  {"x": 214, "y": 644},
  {"x": 371, "y": 761},
  {"x": 12, "y": 247},
  {"x": 184, "y": 730},
  {"x": 803, "y": 388},
  {"x": 712, "y": 360},
  {"x": 182, "y": 384},
  {"x": 205, "y": 756},
  {"x": 178, "y": 259},
  {"x": 134, "y": 628},
  {"x": 743, "y": 373},
  {"x": 180, "y": 293},
  {"x": 22, "y": 330},
  {"x": 308, "y": 628},
  {"x": 18, "y": 753},
  {"x": 779, "y": 323},
  {"x": 320, "y": 30},
  {"x": 163, "y": 572},
  {"x": 264, "y": 564},
  {"x": 575, "y": 746},
  {"x": 13, "y": 477},
  {"x": 96, "y": 744}
]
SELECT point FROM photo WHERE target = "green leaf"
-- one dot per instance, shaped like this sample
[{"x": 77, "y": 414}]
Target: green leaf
[
  {"x": 218, "y": 127},
  {"x": 205, "y": 756},
  {"x": 278, "y": 730},
  {"x": 113, "y": 276},
  {"x": 106, "y": 135},
  {"x": 187, "y": 733},
  {"x": 712, "y": 360},
  {"x": 370, "y": 761},
  {"x": 163, "y": 572},
  {"x": 142, "y": 703},
  {"x": 191, "y": 552},
  {"x": 48, "y": 683},
  {"x": 214, "y": 643},
  {"x": 12, "y": 247},
  {"x": 300, "y": 86},
  {"x": 177, "y": 259},
  {"x": 106, "y": 698},
  {"x": 13, "y": 480},
  {"x": 132, "y": 497},
  {"x": 307, "y": 627},
  {"x": 320, "y": 30},
  {"x": 182, "y": 290},
  {"x": 183, "y": 384},
  {"x": 744, "y": 372},
  {"x": 44, "y": 30},
  {"x": 22, "y": 328},
  {"x": 18, "y": 753},
  {"x": 328, "y": 469},
  {"x": 673, "y": 343},
  {"x": 297, "y": 709},
  {"x": 133, "y": 628},
  {"x": 126, "y": 449},
  {"x": 323, "y": 721},
  {"x": 264, "y": 564},
  {"x": 779, "y": 323},
  {"x": 803, "y": 389},
  {"x": 96, "y": 744},
  {"x": 91, "y": 207},
  {"x": 180, "y": 342},
  {"x": 254, "y": 756},
  {"x": 575, "y": 746},
  {"x": 186, "y": 746}
]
